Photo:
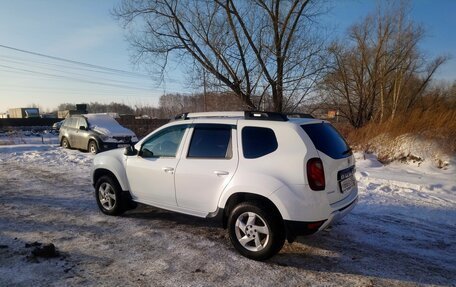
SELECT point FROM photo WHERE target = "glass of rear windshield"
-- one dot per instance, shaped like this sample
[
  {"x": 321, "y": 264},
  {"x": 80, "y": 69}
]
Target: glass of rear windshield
[{"x": 327, "y": 140}]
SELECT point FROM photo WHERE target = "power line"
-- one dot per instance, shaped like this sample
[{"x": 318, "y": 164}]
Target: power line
[
  {"x": 108, "y": 81},
  {"x": 74, "y": 62},
  {"x": 21, "y": 63},
  {"x": 79, "y": 65},
  {"x": 74, "y": 79},
  {"x": 25, "y": 61}
]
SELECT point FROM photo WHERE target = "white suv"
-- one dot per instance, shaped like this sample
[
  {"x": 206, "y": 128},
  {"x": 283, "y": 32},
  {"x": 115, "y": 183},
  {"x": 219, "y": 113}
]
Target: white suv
[{"x": 267, "y": 177}]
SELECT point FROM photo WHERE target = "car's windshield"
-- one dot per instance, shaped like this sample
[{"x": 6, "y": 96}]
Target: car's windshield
[{"x": 104, "y": 121}]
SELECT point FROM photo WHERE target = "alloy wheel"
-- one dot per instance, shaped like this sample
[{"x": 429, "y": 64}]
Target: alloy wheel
[
  {"x": 107, "y": 196},
  {"x": 252, "y": 232}
]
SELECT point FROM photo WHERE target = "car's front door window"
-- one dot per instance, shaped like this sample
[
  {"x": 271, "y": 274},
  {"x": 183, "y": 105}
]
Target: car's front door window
[
  {"x": 82, "y": 123},
  {"x": 151, "y": 174},
  {"x": 165, "y": 143}
]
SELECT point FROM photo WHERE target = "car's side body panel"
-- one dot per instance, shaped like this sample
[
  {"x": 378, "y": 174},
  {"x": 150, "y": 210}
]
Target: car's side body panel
[
  {"x": 151, "y": 180},
  {"x": 199, "y": 181},
  {"x": 113, "y": 161},
  {"x": 286, "y": 187}
]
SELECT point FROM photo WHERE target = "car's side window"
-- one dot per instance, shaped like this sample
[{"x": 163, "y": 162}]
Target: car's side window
[
  {"x": 70, "y": 122},
  {"x": 82, "y": 122},
  {"x": 211, "y": 141},
  {"x": 74, "y": 123},
  {"x": 165, "y": 143},
  {"x": 258, "y": 142}
]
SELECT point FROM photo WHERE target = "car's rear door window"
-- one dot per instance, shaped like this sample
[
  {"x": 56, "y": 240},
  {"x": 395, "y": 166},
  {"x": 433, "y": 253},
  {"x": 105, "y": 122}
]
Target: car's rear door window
[
  {"x": 327, "y": 140},
  {"x": 210, "y": 141}
]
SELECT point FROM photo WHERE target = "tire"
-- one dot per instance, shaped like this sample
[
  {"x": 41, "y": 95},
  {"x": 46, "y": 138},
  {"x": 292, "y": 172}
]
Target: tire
[
  {"x": 93, "y": 147},
  {"x": 65, "y": 143},
  {"x": 108, "y": 196},
  {"x": 255, "y": 233}
]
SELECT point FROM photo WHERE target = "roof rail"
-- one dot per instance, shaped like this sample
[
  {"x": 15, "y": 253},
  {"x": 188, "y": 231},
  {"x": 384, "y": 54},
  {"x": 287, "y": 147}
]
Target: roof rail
[
  {"x": 248, "y": 115},
  {"x": 182, "y": 116},
  {"x": 266, "y": 116},
  {"x": 300, "y": 115},
  {"x": 227, "y": 114}
]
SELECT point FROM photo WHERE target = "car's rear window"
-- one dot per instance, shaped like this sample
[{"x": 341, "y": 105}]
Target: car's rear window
[{"x": 327, "y": 140}]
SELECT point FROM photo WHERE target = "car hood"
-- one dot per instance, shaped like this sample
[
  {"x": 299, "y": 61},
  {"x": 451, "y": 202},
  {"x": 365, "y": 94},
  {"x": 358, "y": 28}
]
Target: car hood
[
  {"x": 108, "y": 126},
  {"x": 117, "y": 153},
  {"x": 113, "y": 131}
]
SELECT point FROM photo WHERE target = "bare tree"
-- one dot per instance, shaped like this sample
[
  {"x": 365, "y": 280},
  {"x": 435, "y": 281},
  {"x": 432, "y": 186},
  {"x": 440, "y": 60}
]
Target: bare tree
[
  {"x": 66, "y": 106},
  {"x": 380, "y": 70},
  {"x": 149, "y": 111},
  {"x": 173, "y": 104},
  {"x": 250, "y": 47}
]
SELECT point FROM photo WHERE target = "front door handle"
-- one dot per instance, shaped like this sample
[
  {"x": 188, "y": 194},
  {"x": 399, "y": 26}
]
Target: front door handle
[
  {"x": 221, "y": 172},
  {"x": 168, "y": 169}
]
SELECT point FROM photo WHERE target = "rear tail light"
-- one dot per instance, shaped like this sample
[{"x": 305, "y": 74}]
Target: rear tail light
[{"x": 315, "y": 174}]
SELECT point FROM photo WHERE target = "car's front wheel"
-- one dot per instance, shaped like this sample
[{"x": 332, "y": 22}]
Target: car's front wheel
[
  {"x": 255, "y": 233},
  {"x": 93, "y": 147},
  {"x": 65, "y": 143},
  {"x": 108, "y": 196}
]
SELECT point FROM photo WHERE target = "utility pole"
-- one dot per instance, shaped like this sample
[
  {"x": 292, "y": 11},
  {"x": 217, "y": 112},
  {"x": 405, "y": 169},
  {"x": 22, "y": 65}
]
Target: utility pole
[{"x": 204, "y": 91}]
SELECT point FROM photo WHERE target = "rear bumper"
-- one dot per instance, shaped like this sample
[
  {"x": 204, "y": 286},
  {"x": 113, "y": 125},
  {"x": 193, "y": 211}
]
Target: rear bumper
[
  {"x": 338, "y": 214},
  {"x": 298, "y": 228}
]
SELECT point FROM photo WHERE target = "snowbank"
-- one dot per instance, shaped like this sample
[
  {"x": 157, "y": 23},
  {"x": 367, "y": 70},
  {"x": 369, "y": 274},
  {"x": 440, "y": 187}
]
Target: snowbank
[{"x": 411, "y": 149}]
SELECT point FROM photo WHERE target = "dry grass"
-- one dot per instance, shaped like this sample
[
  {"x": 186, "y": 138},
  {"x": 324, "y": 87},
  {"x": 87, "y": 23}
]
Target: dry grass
[{"x": 438, "y": 124}]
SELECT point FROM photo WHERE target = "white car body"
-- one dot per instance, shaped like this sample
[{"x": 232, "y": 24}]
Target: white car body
[{"x": 202, "y": 187}]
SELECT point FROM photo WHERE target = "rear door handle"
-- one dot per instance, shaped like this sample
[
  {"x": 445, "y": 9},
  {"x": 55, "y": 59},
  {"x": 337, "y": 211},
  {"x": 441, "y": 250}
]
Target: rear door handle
[
  {"x": 221, "y": 172},
  {"x": 168, "y": 169}
]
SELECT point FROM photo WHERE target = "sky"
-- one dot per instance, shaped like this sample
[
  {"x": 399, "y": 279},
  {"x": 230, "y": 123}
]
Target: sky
[{"x": 84, "y": 31}]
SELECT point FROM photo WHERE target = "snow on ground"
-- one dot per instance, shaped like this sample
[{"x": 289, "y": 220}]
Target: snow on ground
[
  {"x": 402, "y": 233},
  {"x": 27, "y": 137}
]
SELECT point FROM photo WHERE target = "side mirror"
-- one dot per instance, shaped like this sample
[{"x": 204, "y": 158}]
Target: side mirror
[
  {"x": 82, "y": 128},
  {"x": 130, "y": 150},
  {"x": 144, "y": 152}
]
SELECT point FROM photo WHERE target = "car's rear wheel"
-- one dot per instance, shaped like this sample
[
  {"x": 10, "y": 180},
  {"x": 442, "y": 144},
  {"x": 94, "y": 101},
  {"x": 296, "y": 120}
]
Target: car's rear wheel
[
  {"x": 108, "y": 196},
  {"x": 255, "y": 233},
  {"x": 93, "y": 147},
  {"x": 65, "y": 143}
]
